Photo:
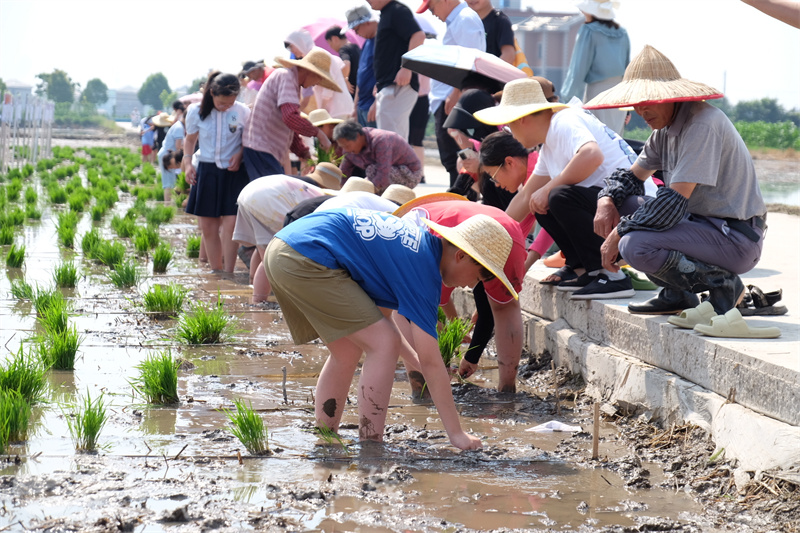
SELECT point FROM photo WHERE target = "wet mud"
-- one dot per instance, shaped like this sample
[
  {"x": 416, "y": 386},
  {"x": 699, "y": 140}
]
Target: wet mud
[{"x": 179, "y": 468}]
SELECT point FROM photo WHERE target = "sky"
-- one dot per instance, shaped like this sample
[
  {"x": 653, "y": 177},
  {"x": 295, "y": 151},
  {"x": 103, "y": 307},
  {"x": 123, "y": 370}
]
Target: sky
[{"x": 724, "y": 43}]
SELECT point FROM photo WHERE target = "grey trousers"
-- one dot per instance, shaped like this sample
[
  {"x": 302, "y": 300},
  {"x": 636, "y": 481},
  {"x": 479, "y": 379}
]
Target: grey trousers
[{"x": 708, "y": 239}]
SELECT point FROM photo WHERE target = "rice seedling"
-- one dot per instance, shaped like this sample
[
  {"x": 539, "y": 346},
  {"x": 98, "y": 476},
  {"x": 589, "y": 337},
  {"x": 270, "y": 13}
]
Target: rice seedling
[
  {"x": 55, "y": 317},
  {"x": 161, "y": 258},
  {"x": 25, "y": 374},
  {"x": 89, "y": 240},
  {"x": 16, "y": 256},
  {"x": 450, "y": 338},
  {"x": 58, "y": 349},
  {"x": 66, "y": 275},
  {"x": 15, "y": 416},
  {"x": 157, "y": 382},
  {"x": 13, "y": 189},
  {"x": 32, "y": 212},
  {"x": 66, "y": 235},
  {"x": 179, "y": 199},
  {"x": 68, "y": 219},
  {"x": 205, "y": 326},
  {"x": 98, "y": 211},
  {"x": 158, "y": 194},
  {"x": 15, "y": 217},
  {"x": 125, "y": 274},
  {"x": 21, "y": 290},
  {"x": 43, "y": 299},
  {"x": 329, "y": 436},
  {"x": 7, "y": 235},
  {"x": 145, "y": 239},
  {"x": 159, "y": 214},
  {"x": 248, "y": 427},
  {"x": 108, "y": 253},
  {"x": 193, "y": 246},
  {"x": 31, "y": 196},
  {"x": 164, "y": 300},
  {"x": 86, "y": 422},
  {"x": 124, "y": 227},
  {"x": 57, "y": 194}
]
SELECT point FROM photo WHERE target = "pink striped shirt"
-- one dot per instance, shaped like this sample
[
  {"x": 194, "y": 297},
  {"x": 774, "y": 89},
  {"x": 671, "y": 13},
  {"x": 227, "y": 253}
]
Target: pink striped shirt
[{"x": 266, "y": 131}]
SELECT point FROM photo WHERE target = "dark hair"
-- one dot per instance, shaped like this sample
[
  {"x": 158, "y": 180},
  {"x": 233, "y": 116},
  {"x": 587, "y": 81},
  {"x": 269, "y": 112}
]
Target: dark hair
[
  {"x": 177, "y": 105},
  {"x": 348, "y": 130},
  {"x": 485, "y": 273},
  {"x": 609, "y": 23},
  {"x": 333, "y": 31},
  {"x": 499, "y": 145},
  {"x": 218, "y": 84},
  {"x": 176, "y": 154}
]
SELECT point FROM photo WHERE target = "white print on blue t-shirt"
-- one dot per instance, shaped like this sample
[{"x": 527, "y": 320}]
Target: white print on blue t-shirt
[
  {"x": 614, "y": 136},
  {"x": 368, "y": 224}
]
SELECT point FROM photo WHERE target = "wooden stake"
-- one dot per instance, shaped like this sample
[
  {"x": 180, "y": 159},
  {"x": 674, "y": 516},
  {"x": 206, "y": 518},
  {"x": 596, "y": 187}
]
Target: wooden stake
[
  {"x": 555, "y": 387},
  {"x": 285, "y": 400},
  {"x": 596, "y": 431}
]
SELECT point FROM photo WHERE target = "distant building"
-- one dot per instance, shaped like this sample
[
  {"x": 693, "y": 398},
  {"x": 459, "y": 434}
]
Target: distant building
[
  {"x": 19, "y": 90},
  {"x": 121, "y": 102}
]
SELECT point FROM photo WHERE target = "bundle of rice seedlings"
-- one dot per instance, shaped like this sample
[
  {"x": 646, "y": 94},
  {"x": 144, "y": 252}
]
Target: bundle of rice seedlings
[{"x": 157, "y": 382}]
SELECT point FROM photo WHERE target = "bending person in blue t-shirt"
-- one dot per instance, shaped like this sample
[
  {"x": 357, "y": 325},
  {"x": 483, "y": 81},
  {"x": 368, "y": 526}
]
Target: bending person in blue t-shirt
[{"x": 336, "y": 274}]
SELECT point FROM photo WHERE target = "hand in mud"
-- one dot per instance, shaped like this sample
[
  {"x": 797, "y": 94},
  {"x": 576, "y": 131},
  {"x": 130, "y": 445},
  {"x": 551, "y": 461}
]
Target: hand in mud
[
  {"x": 465, "y": 441},
  {"x": 466, "y": 369}
]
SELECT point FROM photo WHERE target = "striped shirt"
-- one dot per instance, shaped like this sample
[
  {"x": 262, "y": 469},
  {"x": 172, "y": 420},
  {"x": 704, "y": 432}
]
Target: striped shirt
[{"x": 266, "y": 131}]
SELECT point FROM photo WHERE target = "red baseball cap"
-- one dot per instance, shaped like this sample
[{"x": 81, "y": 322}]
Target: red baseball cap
[{"x": 424, "y": 7}]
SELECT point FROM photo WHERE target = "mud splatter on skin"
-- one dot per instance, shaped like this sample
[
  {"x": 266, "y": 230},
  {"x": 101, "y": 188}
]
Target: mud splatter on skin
[
  {"x": 329, "y": 407},
  {"x": 366, "y": 430},
  {"x": 416, "y": 379}
]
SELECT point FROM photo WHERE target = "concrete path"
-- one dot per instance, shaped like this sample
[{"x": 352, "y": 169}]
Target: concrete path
[{"x": 746, "y": 392}]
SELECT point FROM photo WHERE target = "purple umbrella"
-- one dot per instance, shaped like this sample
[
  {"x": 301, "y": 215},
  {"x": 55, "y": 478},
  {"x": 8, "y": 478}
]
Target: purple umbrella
[{"x": 317, "y": 30}]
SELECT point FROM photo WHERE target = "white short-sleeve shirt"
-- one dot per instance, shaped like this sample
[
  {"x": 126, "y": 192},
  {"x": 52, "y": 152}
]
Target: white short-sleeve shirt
[{"x": 220, "y": 134}]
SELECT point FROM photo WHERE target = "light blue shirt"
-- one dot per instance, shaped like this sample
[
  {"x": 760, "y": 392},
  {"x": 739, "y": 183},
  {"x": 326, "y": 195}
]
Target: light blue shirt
[
  {"x": 464, "y": 28},
  {"x": 175, "y": 132},
  {"x": 600, "y": 53},
  {"x": 220, "y": 134}
]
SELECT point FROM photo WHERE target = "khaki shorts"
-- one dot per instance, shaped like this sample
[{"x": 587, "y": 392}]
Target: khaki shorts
[{"x": 316, "y": 301}]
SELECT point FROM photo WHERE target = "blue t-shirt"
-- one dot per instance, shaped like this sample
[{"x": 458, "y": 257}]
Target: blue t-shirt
[
  {"x": 394, "y": 261},
  {"x": 366, "y": 75},
  {"x": 149, "y": 134}
]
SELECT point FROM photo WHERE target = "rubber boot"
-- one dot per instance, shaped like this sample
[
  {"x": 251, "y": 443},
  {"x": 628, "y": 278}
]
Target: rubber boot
[{"x": 725, "y": 289}]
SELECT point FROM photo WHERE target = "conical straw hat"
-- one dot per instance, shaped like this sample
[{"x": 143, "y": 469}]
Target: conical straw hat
[
  {"x": 485, "y": 240},
  {"x": 327, "y": 176},
  {"x": 398, "y": 194},
  {"x": 651, "y": 78},
  {"x": 317, "y": 61},
  {"x": 520, "y": 98}
]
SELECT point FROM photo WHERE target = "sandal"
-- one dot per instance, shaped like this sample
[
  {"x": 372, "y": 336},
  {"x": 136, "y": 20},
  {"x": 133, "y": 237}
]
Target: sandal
[
  {"x": 757, "y": 302},
  {"x": 689, "y": 318},
  {"x": 732, "y": 325},
  {"x": 639, "y": 283},
  {"x": 564, "y": 273}
]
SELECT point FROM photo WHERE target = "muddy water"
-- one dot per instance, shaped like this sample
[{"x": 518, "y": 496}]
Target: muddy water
[{"x": 180, "y": 463}]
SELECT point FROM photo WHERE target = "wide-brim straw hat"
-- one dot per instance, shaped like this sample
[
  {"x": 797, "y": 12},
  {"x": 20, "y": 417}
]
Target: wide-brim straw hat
[
  {"x": 327, "y": 176},
  {"x": 320, "y": 117},
  {"x": 485, "y": 240},
  {"x": 651, "y": 78},
  {"x": 399, "y": 194},
  {"x": 317, "y": 61},
  {"x": 354, "y": 184},
  {"x": 163, "y": 120},
  {"x": 599, "y": 9},
  {"x": 427, "y": 199},
  {"x": 520, "y": 98}
]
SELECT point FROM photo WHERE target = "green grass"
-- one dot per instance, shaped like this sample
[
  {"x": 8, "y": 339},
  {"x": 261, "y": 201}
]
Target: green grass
[
  {"x": 98, "y": 211},
  {"x": 55, "y": 317},
  {"x": 86, "y": 422},
  {"x": 164, "y": 300},
  {"x": 21, "y": 289},
  {"x": 66, "y": 236},
  {"x": 15, "y": 257},
  {"x": 157, "y": 382},
  {"x": 125, "y": 274},
  {"x": 6, "y": 235},
  {"x": 124, "y": 227},
  {"x": 31, "y": 197},
  {"x": 451, "y": 337},
  {"x": 57, "y": 194},
  {"x": 32, "y": 212},
  {"x": 108, "y": 253},
  {"x": 159, "y": 214},
  {"x": 89, "y": 240},
  {"x": 204, "y": 326},
  {"x": 58, "y": 349},
  {"x": 145, "y": 239},
  {"x": 44, "y": 299},
  {"x": 15, "y": 217},
  {"x": 15, "y": 418},
  {"x": 248, "y": 427},
  {"x": 193, "y": 246},
  {"x": 25, "y": 374},
  {"x": 66, "y": 275},
  {"x": 161, "y": 258}
]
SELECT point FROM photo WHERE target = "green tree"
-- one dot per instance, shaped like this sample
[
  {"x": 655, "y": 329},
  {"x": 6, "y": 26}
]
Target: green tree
[
  {"x": 166, "y": 99},
  {"x": 766, "y": 110},
  {"x": 195, "y": 86},
  {"x": 96, "y": 92},
  {"x": 3, "y": 86},
  {"x": 57, "y": 86},
  {"x": 150, "y": 92}
]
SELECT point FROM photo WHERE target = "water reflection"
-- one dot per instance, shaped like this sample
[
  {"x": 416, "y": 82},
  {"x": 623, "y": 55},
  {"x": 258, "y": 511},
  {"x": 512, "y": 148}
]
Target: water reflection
[{"x": 781, "y": 193}]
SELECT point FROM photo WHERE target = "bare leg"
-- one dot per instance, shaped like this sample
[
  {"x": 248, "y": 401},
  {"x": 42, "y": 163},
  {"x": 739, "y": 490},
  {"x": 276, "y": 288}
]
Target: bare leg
[
  {"x": 261, "y": 285},
  {"x": 334, "y": 383},
  {"x": 229, "y": 246},
  {"x": 411, "y": 360},
  {"x": 167, "y": 195},
  {"x": 255, "y": 262},
  {"x": 209, "y": 226}
]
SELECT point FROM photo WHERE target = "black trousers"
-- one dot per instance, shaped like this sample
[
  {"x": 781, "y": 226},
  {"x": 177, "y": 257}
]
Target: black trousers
[
  {"x": 484, "y": 327},
  {"x": 570, "y": 221},
  {"x": 448, "y": 148}
]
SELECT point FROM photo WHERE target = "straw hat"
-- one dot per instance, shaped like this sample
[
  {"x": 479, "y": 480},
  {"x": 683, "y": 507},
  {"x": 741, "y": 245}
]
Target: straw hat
[
  {"x": 427, "y": 199},
  {"x": 163, "y": 120},
  {"x": 357, "y": 184},
  {"x": 399, "y": 194},
  {"x": 485, "y": 240},
  {"x": 520, "y": 98},
  {"x": 599, "y": 9},
  {"x": 327, "y": 176},
  {"x": 319, "y": 117},
  {"x": 651, "y": 78},
  {"x": 317, "y": 61}
]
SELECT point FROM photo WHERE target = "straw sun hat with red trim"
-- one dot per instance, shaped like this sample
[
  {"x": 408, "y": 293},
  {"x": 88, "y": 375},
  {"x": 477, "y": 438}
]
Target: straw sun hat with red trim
[
  {"x": 650, "y": 79},
  {"x": 317, "y": 61}
]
